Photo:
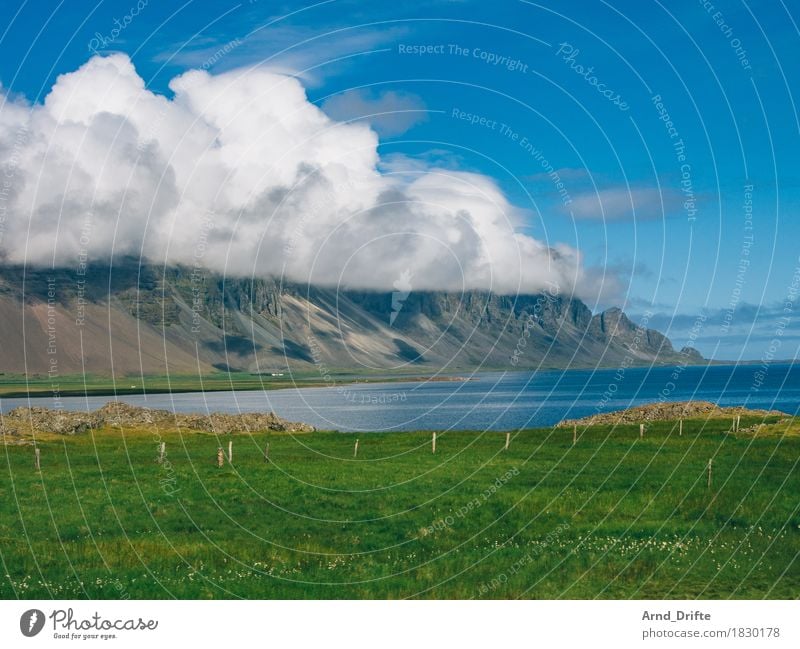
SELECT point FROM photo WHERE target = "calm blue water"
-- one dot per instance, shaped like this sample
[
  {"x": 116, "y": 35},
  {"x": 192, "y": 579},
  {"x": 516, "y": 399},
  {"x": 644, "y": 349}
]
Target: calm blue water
[{"x": 496, "y": 401}]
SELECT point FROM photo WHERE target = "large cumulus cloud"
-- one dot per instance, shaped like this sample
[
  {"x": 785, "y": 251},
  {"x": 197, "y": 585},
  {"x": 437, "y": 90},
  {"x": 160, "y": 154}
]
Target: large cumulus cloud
[{"x": 240, "y": 173}]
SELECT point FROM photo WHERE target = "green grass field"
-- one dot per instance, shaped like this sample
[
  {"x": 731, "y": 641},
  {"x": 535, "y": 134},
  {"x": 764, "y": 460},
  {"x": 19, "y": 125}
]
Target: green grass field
[
  {"x": 613, "y": 517},
  {"x": 78, "y": 385},
  {"x": 15, "y": 385}
]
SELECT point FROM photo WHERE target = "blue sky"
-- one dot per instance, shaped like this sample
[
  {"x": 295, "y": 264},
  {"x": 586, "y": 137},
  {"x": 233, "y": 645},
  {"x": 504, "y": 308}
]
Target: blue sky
[{"x": 505, "y": 89}]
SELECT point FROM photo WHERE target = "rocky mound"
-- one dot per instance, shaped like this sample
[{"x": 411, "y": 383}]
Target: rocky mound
[
  {"x": 119, "y": 414},
  {"x": 668, "y": 412},
  {"x": 44, "y": 420}
]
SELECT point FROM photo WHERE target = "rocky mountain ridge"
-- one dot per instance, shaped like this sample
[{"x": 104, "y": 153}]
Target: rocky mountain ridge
[{"x": 131, "y": 319}]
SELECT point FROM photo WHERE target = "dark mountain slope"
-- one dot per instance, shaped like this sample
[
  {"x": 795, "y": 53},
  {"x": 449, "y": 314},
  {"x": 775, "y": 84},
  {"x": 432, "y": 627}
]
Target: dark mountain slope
[{"x": 131, "y": 319}]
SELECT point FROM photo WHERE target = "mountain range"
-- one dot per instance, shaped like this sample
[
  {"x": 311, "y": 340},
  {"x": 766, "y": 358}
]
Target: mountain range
[{"x": 128, "y": 318}]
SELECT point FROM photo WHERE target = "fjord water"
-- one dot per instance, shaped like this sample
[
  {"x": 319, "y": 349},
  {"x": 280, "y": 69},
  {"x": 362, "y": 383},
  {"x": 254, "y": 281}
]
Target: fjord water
[{"x": 490, "y": 401}]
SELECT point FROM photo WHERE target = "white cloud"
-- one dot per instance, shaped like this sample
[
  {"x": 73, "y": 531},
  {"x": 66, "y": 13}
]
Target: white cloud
[
  {"x": 623, "y": 203},
  {"x": 389, "y": 113},
  {"x": 310, "y": 54},
  {"x": 289, "y": 190}
]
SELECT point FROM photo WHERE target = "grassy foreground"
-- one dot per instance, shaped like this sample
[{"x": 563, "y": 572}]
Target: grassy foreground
[{"x": 612, "y": 517}]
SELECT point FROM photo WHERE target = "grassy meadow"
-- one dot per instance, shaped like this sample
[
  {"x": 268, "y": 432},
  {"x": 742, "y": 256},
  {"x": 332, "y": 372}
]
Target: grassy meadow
[
  {"x": 614, "y": 516},
  {"x": 78, "y": 385}
]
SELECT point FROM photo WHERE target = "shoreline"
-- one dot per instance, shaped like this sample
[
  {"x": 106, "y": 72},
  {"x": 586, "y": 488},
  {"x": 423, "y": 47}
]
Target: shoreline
[
  {"x": 46, "y": 392},
  {"x": 96, "y": 387}
]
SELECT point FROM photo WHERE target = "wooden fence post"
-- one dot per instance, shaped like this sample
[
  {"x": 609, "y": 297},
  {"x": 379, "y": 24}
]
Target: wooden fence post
[
  {"x": 220, "y": 457},
  {"x": 508, "y": 440},
  {"x": 162, "y": 451},
  {"x": 36, "y": 459},
  {"x": 355, "y": 449},
  {"x": 266, "y": 452},
  {"x": 575, "y": 434},
  {"x": 433, "y": 443},
  {"x": 641, "y": 431},
  {"x": 230, "y": 451},
  {"x": 680, "y": 428},
  {"x": 709, "y": 473},
  {"x": 738, "y": 422}
]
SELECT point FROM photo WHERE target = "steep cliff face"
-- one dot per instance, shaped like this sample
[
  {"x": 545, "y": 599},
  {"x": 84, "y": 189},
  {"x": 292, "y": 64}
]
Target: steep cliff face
[
  {"x": 614, "y": 325},
  {"x": 131, "y": 318}
]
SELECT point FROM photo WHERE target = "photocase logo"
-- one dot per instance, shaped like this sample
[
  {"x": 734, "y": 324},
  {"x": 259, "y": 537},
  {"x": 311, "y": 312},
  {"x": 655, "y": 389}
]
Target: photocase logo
[
  {"x": 402, "y": 287},
  {"x": 31, "y": 622}
]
